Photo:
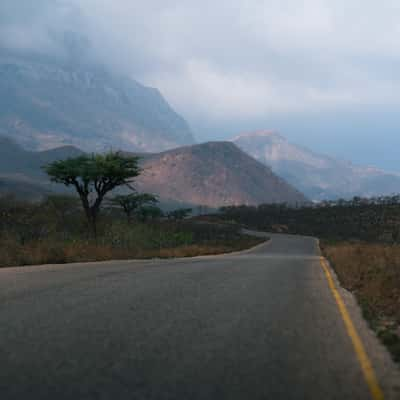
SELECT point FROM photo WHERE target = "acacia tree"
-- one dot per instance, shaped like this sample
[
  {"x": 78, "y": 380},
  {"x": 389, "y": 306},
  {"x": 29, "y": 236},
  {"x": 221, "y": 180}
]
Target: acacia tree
[
  {"x": 133, "y": 202},
  {"x": 93, "y": 176}
]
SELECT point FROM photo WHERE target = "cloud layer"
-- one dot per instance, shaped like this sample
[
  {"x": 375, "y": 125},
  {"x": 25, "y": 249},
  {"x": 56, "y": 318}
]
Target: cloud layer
[{"x": 231, "y": 59}]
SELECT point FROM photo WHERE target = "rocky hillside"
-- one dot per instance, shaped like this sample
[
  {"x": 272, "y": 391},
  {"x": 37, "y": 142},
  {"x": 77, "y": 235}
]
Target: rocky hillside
[
  {"x": 213, "y": 174},
  {"x": 45, "y": 103},
  {"x": 318, "y": 176}
]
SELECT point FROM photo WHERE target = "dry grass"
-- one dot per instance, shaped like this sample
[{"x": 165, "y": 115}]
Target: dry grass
[
  {"x": 372, "y": 273},
  {"x": 203, "y": 250},
  {"x": 55, "y": 231},
  {"x": 53, "y": 252}
]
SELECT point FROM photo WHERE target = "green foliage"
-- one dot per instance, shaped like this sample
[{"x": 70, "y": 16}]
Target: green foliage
[
  {"x": 93, "y": 177},
  {"x": 99, "y": 172},
  {"x": 376, "y": 219},
  {"x": 139, "y": 204}
]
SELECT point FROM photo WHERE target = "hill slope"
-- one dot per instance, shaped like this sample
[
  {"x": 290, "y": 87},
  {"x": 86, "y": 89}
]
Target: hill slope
[
  {"x": 45, "y": 103},
  {"x": 213, "y": 174},
  {"x": 21, "y": 170},
  {"x": 318, "y": 176}
]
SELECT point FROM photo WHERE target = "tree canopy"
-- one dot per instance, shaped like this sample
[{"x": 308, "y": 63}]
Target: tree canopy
[
  {"x": 93, "y": 176},
  {"x": 133, "y": 203}
]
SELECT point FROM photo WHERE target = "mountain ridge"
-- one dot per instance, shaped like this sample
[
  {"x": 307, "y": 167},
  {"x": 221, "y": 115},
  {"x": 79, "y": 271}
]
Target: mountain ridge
[
  {"x": 46, "y": 103},
  {"x": 317, "y": 175}
]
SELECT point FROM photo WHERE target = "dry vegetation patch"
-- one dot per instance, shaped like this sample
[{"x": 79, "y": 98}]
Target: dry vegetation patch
[
  {"x": 49, "y": 233},
  {"x": 372, "y": 272},
  {"x": 51, "y": 252}
]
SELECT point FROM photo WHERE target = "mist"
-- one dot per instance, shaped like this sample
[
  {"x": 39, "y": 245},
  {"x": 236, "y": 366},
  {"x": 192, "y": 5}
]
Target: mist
[{"x": 315, "y": 70}]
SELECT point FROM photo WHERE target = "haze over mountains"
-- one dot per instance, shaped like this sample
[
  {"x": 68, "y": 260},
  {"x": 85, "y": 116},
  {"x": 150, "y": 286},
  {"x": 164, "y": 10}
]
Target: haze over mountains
[
  {"x": 57, "y": 103},
  {"x": 211, "y": 174},
  {"x": 318, "y": 176},
  {"x": 47, "y": 102}
]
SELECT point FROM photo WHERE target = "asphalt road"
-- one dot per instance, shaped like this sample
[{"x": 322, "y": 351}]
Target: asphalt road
[{"x": 259, "y": 325}]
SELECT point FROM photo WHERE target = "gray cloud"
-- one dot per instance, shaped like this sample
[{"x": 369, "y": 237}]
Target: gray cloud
[{"x": 231, "y": 59}]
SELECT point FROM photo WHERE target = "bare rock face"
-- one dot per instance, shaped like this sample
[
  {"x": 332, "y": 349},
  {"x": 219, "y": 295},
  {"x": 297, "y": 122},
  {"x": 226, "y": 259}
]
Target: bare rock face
[
  {"x": 318, "y": 176},
  {"x": 46, "y": 103},
  {"x": 213, "y": 174}
]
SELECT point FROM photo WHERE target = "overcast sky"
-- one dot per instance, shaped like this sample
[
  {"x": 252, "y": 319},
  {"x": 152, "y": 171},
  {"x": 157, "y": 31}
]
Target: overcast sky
[{"x": 323, "y": 72}]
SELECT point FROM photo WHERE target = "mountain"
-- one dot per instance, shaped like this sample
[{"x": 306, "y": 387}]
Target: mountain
[
  {"x": 317, "y": 176},
  {"x": 46, "y": 102},
  {"x": 21, "y": 170},
  {"x": 211, "y": 174},
  {"x": 22, "y": 189},
  {"x": 16, "y": 161}
]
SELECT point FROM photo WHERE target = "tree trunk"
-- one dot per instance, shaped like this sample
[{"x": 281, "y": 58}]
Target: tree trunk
[{"x": 93, "y": 223}]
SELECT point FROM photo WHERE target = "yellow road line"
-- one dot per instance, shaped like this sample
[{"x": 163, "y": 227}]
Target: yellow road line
[{"x": 365, "y": 363}]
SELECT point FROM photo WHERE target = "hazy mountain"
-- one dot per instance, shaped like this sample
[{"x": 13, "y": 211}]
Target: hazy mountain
[
  {"x": 22, "y": 189},
  {"x": 316, "y": 175},
  {"x": 16, "y": 160},
  {"x": 210, "y": 174},
  {"x": 21, "y": 170},
  {"x": 47, "y": 102},
  {"x": 213, "y": 174}
]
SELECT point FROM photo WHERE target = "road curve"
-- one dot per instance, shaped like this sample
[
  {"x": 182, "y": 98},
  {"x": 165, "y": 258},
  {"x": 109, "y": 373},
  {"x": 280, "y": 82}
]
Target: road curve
[{"x": 258, "y": 325}]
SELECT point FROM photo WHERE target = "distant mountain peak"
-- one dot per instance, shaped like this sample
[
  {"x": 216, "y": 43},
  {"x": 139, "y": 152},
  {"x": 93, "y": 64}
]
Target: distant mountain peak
[{"x": 318, "y": 176}]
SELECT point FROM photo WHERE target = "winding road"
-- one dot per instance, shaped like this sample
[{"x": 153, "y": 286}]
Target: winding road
[{"x": 262, "y": 324}]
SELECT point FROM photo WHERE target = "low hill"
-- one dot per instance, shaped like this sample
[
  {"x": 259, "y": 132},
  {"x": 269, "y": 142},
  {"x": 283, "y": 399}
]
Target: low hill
[
  {"x": 318, "y": 176},
  {"x": 21, "y": 188},
  {"x": 21, "y": 171},
  {"x": 211, "y": 174},
  {"x": 15, "y": 159}
]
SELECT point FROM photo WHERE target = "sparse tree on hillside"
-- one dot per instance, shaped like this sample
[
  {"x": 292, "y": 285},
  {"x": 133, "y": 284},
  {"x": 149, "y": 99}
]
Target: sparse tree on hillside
[
  {"x": 93, "y": 177},
  {"x": 132, "y": 203}
]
